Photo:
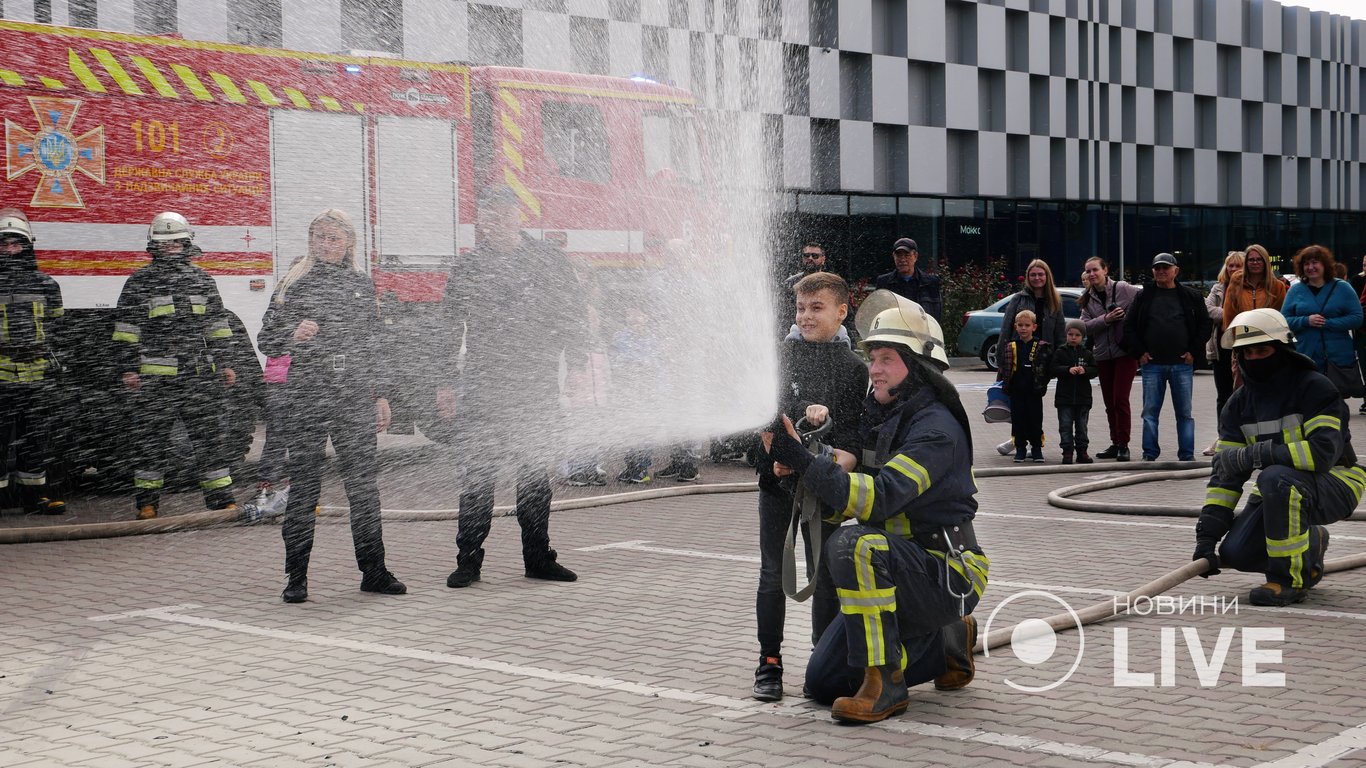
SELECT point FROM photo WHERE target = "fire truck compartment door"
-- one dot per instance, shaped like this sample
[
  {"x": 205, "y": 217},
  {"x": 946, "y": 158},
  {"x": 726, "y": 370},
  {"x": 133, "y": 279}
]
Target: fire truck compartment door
[
  {"x": 416, "y": 162},
  {"x": 317, "y": 162}
]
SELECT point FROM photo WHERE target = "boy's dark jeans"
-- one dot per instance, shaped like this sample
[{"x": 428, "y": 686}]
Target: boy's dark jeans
[
  {"x": 770, "y": 604},
  {"x": 1072, "y": 419}
]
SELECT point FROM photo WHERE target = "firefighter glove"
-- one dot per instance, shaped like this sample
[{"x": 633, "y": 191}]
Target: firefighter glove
[
  {"x": 1205, "y": 550},
  {"x": 1236, "y": 464},
  {"x": 787, "y": 451}
]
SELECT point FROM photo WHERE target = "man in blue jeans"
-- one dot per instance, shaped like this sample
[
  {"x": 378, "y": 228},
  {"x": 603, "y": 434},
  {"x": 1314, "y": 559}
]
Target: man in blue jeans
[{"x": 1166, "y": 328}]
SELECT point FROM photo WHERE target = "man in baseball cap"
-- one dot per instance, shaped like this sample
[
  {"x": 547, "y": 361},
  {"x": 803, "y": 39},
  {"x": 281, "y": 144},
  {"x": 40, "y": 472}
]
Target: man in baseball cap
[{"x": 914, "y": 284}]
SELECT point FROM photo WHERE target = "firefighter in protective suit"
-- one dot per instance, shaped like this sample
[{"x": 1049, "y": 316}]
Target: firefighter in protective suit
[
  {"x": 910, "y": 572},
  {"x": 30, "y": 306},
  {"x": 1289, "y": 422},
  {"x": 173, "y": 341}
]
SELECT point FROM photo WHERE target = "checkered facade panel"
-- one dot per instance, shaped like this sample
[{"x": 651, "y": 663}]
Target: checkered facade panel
[{"x": 1236, "y": 102}]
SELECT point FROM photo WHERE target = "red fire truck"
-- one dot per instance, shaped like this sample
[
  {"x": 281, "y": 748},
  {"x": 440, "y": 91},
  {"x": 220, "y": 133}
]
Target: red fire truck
[{"x": 103, "y": 130}]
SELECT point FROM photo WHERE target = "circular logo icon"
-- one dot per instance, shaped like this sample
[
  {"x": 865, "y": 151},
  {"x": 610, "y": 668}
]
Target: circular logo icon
[
  {"x": 1034, "y": 641},
  {"x": 54, "y": 150}
]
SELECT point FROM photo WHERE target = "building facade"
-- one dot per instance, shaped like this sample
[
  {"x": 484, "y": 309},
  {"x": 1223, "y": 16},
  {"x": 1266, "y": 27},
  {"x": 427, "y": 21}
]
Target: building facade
[{"x": 1056, "y": 129}]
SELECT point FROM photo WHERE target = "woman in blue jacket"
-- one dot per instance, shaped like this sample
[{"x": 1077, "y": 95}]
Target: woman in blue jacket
[{"x": 1322, "y": 310}]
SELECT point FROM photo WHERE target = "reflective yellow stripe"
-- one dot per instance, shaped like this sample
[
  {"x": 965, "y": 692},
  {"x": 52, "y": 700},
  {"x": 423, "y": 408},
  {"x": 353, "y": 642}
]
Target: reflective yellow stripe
[
  {"x": 912, "y": 469},
  {"x": 125, "y": 336},
  {"x": 228, "y": 87},
  {"x": 1224, "y": 445},
  {"x": 867, "y": 585},
  {"x": 1323, "y": 420},
  {"x": 11, "y": 78},
  {"x": 157, "y": 370},
  {"x": 116, "y": 71},
  {"x": 860, "y": 503},
  {"x": 30, "y": 478},
  {"x": 867, "y": 603},
  {"x": 513, "y": 155},
  {"x": 511, "y": 127},
  {"x": 1222, "y": 497},
  {"x": 511, "y": 101},
  {"x": 300, "y": 100},
  {"x": 220, "y": 333},
  {"x": 145, "y": 479},
  {"x": 191, "y": 81},
  {"x": 1301, "y": 456},
  {"x": 900, "y": 525},
  {"x": 529, "y": 200},
  {"x": 263, "y": 93},
  {"x": 55, "y": 85},
  {"x": 330, "y": 104},
  {"x": 976, "y": 573},
  {"x": 164, "y": 309},
  {"x": 216, "y": 480},
  {"x": 82, "y": 72},
  {"x": 154, "y": 76},
  {"x": 1353, "y": 477}
]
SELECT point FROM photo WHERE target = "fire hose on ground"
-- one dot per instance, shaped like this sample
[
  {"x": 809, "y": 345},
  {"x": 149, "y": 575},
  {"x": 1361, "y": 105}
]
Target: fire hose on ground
[{"x": 1061, "y": 497}]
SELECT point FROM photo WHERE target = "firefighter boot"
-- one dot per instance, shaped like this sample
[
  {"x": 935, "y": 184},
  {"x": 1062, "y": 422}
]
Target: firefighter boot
[
  {"x": 882, "y": 695},
  {"x": 1318, "y": 547},
  {"x": 147, "y": 511},
  {"x": 959, "y": 638},
  {"x": 768, "y": 679},
  {"x": 1276, "y": 594}
]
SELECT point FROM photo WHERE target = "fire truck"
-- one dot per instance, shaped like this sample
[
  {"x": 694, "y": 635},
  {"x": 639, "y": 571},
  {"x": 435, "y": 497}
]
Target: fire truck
[{"x": 103, "y": 130}]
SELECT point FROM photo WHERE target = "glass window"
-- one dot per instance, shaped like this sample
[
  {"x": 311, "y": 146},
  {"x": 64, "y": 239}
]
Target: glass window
[
  {"x": 576, "y": 141},
  {"x": 671, "y": 145}
]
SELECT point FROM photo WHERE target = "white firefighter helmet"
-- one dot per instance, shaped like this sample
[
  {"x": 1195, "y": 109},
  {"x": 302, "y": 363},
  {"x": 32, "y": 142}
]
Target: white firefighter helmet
[
  {"x": 14, "y": 222},
  {"x": 1256, "y": 326},
  {"x": 169, "y": 226},
  {"x": 886, "y": 318}
]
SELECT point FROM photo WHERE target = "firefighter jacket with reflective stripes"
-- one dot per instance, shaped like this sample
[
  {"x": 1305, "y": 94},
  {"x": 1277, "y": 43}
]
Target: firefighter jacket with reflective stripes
[
  {"x": 347, "y": 354},
  {"x": 171, "y": 320},
  {"x": 1301, "y": 413},
  {"x": 30, "y": 305},
  {"x": 916, "y": 474}
]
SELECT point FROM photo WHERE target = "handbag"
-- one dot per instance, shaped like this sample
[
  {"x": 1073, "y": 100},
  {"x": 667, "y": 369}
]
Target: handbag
[{"x": 1347, "y": 378}]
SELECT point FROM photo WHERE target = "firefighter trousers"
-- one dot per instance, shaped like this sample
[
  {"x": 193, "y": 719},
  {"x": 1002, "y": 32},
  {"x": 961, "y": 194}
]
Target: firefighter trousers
[
  {"x": 476, "y": 511},
  {"x": 894, "y": 594},
  {"x": 198, "y": 402},
  {"x": 24, "y": 414},
  {"x": 1273, "y": 534},
  {"x": 350, "y": 421}
]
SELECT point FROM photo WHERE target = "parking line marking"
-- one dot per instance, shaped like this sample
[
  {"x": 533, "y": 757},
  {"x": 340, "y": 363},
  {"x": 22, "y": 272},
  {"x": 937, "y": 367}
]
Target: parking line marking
[
  {"x": 1323, "y": 753},
  {"x": 732, "y": 707}
]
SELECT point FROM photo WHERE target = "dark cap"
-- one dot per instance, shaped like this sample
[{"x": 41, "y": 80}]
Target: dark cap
[
  {"x": 904, "y": 244},
  {"x": 1165, "y": 258}
]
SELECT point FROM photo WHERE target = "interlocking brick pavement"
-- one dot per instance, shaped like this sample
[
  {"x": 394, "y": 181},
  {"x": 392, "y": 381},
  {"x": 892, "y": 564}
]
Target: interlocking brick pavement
[{"x": 647, "y": 659}]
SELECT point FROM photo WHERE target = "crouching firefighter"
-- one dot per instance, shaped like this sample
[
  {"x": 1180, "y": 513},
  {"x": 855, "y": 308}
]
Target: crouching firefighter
[
  {"x": 173, "y": 339},
  {"x": 1289, "y": 423},
  {"x": 30, "y": 305},
  {"x": 910, "y": 572}
]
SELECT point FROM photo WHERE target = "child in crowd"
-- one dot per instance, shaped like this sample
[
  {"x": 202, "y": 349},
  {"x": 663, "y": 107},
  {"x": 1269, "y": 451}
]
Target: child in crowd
[
  {"x": 1025, "y": 373},
  {"x": 821, "y": 378},
  {"x": 1074, "y": 367}
]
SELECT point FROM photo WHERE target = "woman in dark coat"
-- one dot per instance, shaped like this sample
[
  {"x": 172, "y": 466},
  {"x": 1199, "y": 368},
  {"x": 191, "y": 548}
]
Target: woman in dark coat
[{"x": 324, "y": 315}]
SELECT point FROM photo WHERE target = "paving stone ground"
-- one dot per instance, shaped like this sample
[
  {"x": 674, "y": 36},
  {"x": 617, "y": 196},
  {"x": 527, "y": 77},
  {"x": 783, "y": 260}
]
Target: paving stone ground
[{"x": 174, "y": 650}]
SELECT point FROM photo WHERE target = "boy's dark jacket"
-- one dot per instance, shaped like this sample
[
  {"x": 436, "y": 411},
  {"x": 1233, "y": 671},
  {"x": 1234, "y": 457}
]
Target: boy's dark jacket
[
  {"x": 1042, "y": 371},
  {"x": 1072, "y": 389},
  {"x": 824, "y": 373}
]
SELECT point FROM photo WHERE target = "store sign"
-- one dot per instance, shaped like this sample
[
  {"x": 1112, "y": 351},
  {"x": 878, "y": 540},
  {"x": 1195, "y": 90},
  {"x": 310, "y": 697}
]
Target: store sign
[{"x": 964, "y": 229}]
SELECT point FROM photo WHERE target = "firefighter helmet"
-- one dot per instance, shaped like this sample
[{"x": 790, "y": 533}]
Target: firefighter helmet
[
  {"x": 886, "y": 318},
  {"x": 1257, "y": 326},
  {"x": 14, "y": 222},
  {"x": 169, "y": 226}
]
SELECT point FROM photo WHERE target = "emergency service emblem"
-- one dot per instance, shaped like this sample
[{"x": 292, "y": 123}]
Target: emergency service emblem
[{"x": 55, "y": 152}]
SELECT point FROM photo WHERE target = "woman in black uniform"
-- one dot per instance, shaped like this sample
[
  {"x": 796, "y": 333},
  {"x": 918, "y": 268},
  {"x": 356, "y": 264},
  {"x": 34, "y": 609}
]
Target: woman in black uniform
[{"x": 324, "y": 316}]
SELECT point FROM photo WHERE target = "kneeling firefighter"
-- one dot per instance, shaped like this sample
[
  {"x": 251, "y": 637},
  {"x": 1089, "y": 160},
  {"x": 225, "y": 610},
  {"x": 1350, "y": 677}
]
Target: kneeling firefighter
[
  {"x": 909, "y": 574},
  {"x": 1288, "y": 421}
]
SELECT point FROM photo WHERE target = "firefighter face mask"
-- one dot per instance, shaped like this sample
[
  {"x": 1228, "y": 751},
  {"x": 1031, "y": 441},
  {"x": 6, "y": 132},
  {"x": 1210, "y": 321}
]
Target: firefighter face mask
[{"x": 1261, "y": 361}]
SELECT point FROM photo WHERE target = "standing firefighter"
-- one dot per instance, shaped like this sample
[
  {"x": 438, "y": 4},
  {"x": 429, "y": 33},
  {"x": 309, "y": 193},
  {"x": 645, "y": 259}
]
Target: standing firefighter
[
  {"x": 173, "y": 342},
  {"x": 30, "y": 302},
  {"x": 910, "y": 572},
  {"x": 1288, "y": 421}
]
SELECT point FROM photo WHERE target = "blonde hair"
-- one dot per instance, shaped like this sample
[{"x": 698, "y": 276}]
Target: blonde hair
[
  {"x": 1026, "y": 314},
  {"x": 1050, "y": 291},
  {"x": 1226, "y": 274},
  {"x": 1260, "y": 251},
  {"x": 301, "y": 266}
]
